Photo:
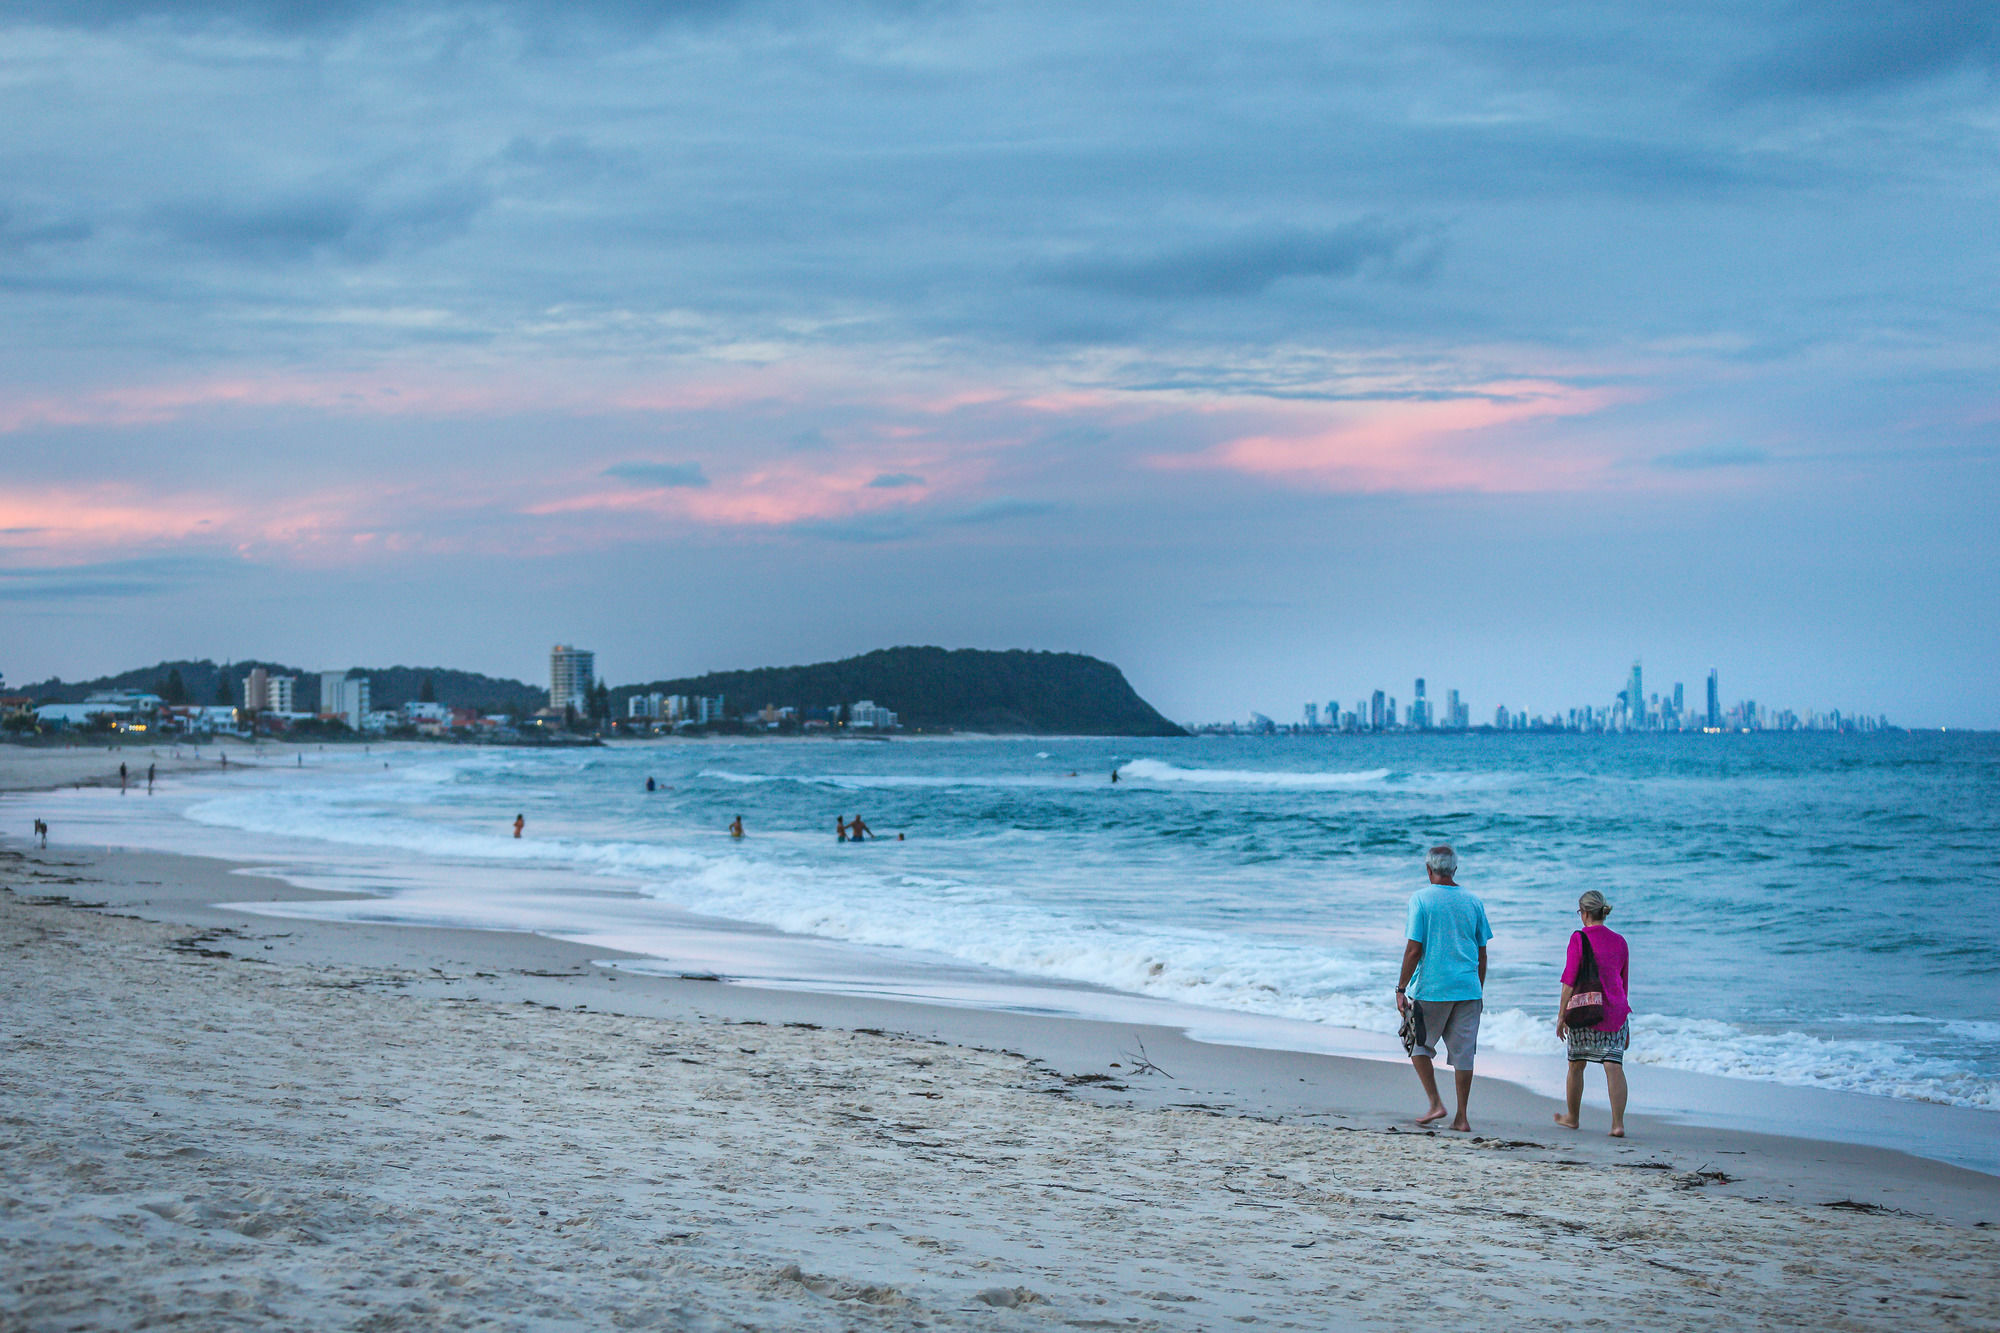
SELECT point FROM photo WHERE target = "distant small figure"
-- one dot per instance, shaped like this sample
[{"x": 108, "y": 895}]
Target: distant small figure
[
  {"x": 1114, "y": 777},
  {"x": 839, "y": 828},
  {"x": 856, "y": 830},
  {"x": 899, "y": 837},
  {"x": 121, "y": 779},
  {"x": 149, "y": 778},
  {"x": 652, "y": 785},
  {"x": 225, "y": 759},
  {"x": 302, "y": 758},
  {"x": 520, "y": 822},
  {"x": 42, "y": 831},
  {"x": 736, "y": 827}
]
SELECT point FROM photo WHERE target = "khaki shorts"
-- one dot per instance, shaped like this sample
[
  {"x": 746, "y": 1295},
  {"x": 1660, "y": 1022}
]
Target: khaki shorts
[{"x": 1455, "y": 1023}]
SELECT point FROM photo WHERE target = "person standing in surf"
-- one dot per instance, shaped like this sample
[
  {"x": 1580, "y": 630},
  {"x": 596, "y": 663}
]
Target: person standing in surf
[
  {"x": 1446, "y": 954},
  {"x": 1594, "y": 1013}
]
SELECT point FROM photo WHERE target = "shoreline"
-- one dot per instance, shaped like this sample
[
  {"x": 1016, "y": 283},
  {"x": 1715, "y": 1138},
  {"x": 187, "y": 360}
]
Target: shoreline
[
  {"x": 1236, "y": 1079},
  {"x": 225, "y": 1117},
  {"x": 1958, "y": 1137}
]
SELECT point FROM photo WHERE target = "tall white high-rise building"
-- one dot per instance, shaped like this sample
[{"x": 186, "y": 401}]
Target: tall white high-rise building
[
  {"x": 345, "y": 696},
  {"x": 264, "y": 692},
  {"x": 572, "y": 671}
]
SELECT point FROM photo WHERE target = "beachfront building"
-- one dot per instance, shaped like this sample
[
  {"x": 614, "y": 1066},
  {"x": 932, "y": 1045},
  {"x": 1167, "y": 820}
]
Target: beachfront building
[
  {"x": 266, "y": 693},
  {"x": 572, "y": 671},
  {"x": 345, "y": 696},
  {"x": 869, "y": 714},
  {"x": 646, "y": 707}
]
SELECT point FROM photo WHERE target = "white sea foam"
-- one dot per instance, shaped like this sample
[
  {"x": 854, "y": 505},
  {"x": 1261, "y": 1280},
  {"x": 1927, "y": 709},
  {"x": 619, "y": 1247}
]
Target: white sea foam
[
  {"x": 1154, "y": 770},
  {"x": 1018, "y": 899}
]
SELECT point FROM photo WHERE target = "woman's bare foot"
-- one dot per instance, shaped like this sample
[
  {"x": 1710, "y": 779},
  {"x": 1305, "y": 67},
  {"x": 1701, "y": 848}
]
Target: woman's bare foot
[
  {"x": 1431, "y": 1116},
  {"x": 1618, "y": 1131},
  {"x": 1461, "y": 1126},
  {"x": 1565, "y": 1121}
]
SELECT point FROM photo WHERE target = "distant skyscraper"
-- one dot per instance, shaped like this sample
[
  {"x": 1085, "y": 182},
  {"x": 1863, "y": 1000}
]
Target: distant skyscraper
[
  {"x": 1451, "y": 706},
  {"x": 1635, "y": 698},
  {"x": 572, "y": 671},
  {"x": 1420, "y": 711},
  {"x": 1714, "y": 699},
  {"x": 1312, "y": 717},
  {"x": 1376, "y": 718}
]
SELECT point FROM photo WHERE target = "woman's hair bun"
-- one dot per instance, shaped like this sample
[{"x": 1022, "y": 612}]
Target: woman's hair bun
[{"x": 1593, "y": 903}]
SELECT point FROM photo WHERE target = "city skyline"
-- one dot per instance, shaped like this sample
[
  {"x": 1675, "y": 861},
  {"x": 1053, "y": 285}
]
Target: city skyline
[
  {"x": 1658, "y": 710},
  {"x": 1253, "y": 341}
]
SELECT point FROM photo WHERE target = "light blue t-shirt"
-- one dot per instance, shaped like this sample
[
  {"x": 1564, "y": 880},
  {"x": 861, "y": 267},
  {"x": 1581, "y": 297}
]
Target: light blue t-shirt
[{"x": 1450, "y": 923}]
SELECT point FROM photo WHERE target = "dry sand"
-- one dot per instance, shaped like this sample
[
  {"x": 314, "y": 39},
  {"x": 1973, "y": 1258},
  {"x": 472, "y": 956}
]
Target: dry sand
[{"x": 235, "y": 1121}]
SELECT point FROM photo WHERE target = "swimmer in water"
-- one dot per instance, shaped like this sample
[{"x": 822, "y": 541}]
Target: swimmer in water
[
  {"x": 736, "y": 827},
  {"x": 651, "y": 785},
  {"x": 839, "y": 829},
  {"x": 520, "y": 822},
  {"x": 856, "y": 830},
  {"x": 1114, "y": 776}
]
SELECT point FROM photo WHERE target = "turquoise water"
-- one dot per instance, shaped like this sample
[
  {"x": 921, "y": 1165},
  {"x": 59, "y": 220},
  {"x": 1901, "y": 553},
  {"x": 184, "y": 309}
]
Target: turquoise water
[{"x": 1808, "y": 909}]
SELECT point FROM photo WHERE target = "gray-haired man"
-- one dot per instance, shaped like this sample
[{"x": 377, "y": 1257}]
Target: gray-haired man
[{"x": 1446, "y": 950}]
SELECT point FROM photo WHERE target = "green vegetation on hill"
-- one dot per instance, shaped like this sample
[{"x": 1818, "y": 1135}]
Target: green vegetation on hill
[
  {"x": 204, "y": 682},
  {"x": 966, "y": 689}
]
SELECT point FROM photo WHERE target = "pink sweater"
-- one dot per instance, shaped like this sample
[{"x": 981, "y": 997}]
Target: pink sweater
[{"x": 1613, "y": 965}]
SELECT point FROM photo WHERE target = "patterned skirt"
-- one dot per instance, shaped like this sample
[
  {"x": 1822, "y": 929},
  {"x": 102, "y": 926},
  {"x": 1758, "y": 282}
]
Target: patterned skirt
[{"x": 1606, "y": 1048}]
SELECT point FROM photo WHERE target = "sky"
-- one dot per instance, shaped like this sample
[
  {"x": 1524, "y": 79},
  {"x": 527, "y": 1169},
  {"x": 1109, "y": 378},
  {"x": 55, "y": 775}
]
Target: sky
[{"x": 1273, "y": 352}]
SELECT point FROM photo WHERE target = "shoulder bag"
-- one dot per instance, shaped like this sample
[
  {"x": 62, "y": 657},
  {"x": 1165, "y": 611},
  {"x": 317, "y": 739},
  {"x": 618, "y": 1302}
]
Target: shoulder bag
[{"x": 1586, "y": 999}]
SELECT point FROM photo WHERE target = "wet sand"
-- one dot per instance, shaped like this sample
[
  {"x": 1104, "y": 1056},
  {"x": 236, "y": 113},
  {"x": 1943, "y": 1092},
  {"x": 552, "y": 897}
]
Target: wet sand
[{"x": 237, "y": 1120}]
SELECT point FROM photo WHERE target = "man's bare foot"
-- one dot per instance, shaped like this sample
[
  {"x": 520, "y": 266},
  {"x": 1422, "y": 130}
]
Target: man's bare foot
[
  {"x": 1565, "y": 1121},
  {"x": 1461, "y": 1126},
  {"x": 1618, "y": 1131},
  {"x": 1436, "y": 1113}
]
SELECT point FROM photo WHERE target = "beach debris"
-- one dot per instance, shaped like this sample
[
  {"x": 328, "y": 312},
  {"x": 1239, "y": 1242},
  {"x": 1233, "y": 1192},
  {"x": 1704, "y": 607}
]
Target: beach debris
[
  {"x": 837, "y": 1289},
  {"x": 1142, "y": 1063},
  {"x": 1008, "y": 1298},
  {"x": 1875, "y": 1209},
  {"x": 1694, "y": 1180}
]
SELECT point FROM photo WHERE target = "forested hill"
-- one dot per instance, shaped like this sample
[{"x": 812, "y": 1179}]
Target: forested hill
[
  {"x": 965, "y": 689},
  {"x": 203, "y": 682}
]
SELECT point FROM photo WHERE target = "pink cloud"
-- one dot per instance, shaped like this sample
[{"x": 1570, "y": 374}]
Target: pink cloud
[{"x": 1465, "y": 442}]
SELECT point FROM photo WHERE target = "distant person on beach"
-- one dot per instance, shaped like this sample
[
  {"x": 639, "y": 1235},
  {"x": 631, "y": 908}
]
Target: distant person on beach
[
  {"x": 149, "y": 778},
  {"x": 856, "y": 830},
  {"x": 520, "y": 822},
  {"x": 42, "y": 831},
  {"x": 1446, "y": 952},
  {"x": 1596, "y": 984},
  {"x": 121, "y": 779},
  {"x": 736, "y": 827}
]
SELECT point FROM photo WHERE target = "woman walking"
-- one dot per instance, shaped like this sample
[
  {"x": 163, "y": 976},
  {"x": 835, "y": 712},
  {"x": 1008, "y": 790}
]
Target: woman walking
[{"x": 1594, "y": 1015}]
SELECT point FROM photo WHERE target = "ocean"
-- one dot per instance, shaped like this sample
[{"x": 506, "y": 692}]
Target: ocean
[{"x": 1806, "y": 909}]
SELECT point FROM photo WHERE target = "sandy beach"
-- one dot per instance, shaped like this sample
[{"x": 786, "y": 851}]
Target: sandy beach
[{"x": 236, "y": 1120}]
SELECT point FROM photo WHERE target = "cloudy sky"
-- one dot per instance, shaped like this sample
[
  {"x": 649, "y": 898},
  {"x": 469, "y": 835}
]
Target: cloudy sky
[{"x": 1273, "y": 352}]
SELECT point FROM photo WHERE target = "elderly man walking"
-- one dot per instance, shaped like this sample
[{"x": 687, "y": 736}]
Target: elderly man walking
[{"x": 1446, "y": 952}]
